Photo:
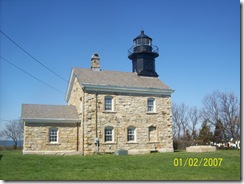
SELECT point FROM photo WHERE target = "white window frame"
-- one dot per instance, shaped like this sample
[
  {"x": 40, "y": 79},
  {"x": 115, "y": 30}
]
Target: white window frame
[
  {"x": 131, "y": 132},
  {"x": 151, "y": 107},
  {"x": 106, "y": 105},
  {"x": 108, "y": 132},
  {"x": 53, "y": 135}
]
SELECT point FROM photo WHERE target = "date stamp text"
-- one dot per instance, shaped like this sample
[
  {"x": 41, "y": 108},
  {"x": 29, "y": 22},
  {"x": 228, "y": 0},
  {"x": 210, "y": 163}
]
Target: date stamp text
[{"x": 197, "y": 162}]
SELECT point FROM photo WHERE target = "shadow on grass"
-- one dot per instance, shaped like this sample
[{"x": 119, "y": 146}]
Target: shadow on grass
[{"x": 179, "y": 150}]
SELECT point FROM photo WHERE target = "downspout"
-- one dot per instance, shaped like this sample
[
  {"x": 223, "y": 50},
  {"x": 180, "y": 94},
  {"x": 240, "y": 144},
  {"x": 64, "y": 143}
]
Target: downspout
[
  {"x": 24, "y": 136},
  {"x": 96, "y": 114},
  {"x": 83, "y": 118},
  {"x": 96, "y": 124}
]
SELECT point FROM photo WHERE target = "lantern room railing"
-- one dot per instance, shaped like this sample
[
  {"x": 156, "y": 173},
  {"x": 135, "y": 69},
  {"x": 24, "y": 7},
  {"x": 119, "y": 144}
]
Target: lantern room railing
[{"x": 143, "y": 48}]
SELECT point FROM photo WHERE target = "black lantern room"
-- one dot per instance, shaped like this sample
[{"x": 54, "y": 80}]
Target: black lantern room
[{"x": 143, "y": 55}]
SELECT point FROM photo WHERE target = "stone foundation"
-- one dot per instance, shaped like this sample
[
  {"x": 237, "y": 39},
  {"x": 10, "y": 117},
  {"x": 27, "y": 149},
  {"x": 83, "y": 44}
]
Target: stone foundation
[{"x": 51, "y": 152}]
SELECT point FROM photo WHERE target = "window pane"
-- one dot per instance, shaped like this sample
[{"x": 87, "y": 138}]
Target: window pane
[
  {"x": 150, "y": 105},
  {"x": 131, "y": 134},
  {"x": 108, "y": 134},
  {"x": 53, "y": 135},
  {"x": 108, "y": 103}
]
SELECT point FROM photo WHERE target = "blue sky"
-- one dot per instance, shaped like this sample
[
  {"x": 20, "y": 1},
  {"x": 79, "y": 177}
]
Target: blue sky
[{"x": 198, "y": 40}]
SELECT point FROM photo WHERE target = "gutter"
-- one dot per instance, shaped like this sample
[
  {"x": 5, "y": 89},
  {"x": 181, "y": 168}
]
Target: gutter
[{"x": 123, "y": 89}]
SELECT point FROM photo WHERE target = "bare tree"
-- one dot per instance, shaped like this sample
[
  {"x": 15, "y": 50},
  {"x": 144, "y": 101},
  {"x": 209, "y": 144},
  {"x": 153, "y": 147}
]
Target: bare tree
[
  {"x": 238, "y": 125},
  {"x": 13, "y": 130},
  {"x": 194, "y": 116},
  {"x": 211, "y": 108},
  {"x": 183, "y": 118},
  {"x": 176, "y": 121},
  {"x": 174, "y": 131},
  {"x": 230, "y": 108},
  {"x": 224, "y": 108},
  {"x": 180, "y": 121}
]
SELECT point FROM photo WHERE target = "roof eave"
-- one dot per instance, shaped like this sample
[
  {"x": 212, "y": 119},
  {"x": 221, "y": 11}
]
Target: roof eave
[
  {"x": 69, "y": 88},
  {"x": 125, "y": 89}
]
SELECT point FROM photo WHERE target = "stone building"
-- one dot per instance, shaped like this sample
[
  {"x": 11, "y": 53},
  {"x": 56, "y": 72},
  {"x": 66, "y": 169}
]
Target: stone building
[{"x": 106, "y": 110}]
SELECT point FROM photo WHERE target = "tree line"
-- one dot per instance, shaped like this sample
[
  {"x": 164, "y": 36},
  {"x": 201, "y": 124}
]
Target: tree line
[{"x": 218, "y": 120}]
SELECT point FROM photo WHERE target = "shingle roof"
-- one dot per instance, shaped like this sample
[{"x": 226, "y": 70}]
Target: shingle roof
[
  {"x": 49, "y": 112},
  {"x": 115, "y": 78}
]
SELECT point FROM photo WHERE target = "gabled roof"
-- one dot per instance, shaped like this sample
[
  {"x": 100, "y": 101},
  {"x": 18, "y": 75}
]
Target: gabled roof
[
  {"x": 115, "y": 78},
  {"x": 105, "y": 80},
  {"x": 49, "y": 113}
]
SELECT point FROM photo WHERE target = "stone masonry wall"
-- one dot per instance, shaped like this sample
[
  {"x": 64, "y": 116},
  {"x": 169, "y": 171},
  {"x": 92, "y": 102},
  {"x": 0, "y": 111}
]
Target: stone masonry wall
[
  {"x": 129, "y": 110},
  {"x": 75, "y": 99},
  {"x": 36, "y": 138}
]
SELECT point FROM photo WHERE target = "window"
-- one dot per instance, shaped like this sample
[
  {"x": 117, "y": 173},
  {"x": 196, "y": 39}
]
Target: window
[
  {"x": 150, "y": 105},
  {"x": 131, "y": 134},
  {"x": 53, "y": 135},
  {"x": 108, "y": 134},
  {"x": 108, "y": 103},
  {"x": 152, "y": 133}
]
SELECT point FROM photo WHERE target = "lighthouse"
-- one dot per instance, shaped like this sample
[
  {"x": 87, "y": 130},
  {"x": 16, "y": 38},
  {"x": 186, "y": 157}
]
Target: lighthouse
[{"x": 143, "y": 55}]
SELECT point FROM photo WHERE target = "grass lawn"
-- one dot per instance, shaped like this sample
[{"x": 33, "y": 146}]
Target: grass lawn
[{"x": 155, "y": 166}]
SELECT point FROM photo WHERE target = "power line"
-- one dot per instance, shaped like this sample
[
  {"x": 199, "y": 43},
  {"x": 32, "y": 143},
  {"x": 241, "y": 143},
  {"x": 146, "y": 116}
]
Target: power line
[
  {"x": 31, "y": 75},
  {"x": 33, "y": 56}
]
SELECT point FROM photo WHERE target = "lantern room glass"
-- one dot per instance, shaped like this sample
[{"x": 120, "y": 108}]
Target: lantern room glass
[{"x": 143, "y": 41}]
